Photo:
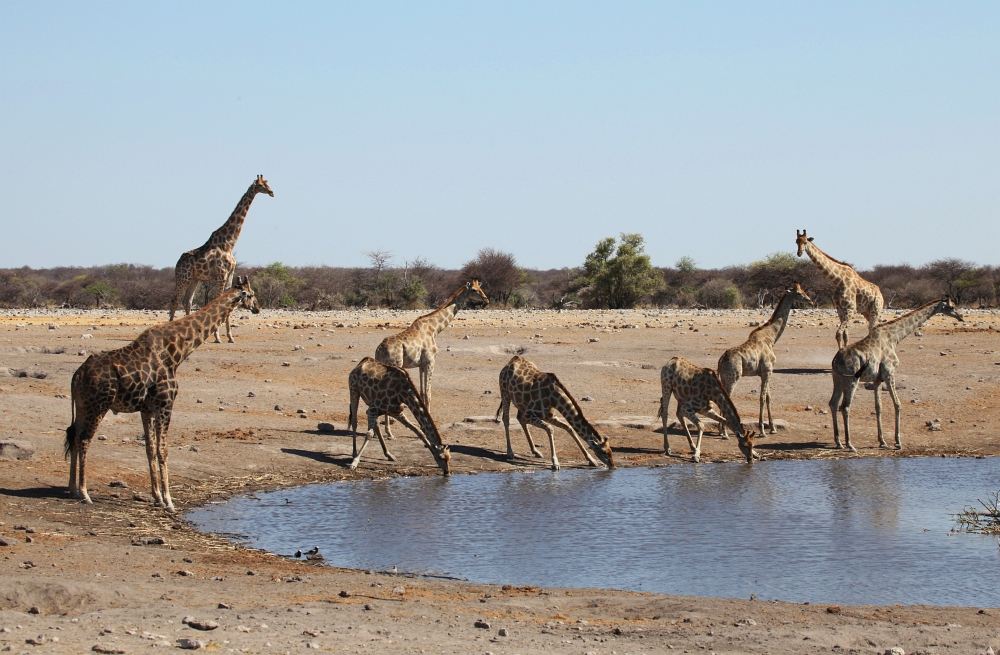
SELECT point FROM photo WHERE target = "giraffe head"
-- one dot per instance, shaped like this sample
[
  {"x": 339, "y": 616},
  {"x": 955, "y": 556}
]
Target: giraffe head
[
  {"x": 798, "y": 294},
  {"x": 260, "y": 186},
  {"x": 745, "y": 442},
  {"x": 247, "y": 298},
  {"x": 801, "y": 240},
  {"x": 442, "y": 455},
  {"x": 947, "y": 307},
  {"x": 473, "y": 294}
]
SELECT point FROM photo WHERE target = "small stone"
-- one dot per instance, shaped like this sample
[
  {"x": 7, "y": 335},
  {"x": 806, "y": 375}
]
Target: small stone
[
  {"x": 198, "y": 624},
  {"x": 142, "y": 497},
  {"x": 199, "y": 401},
  {"x": 809, "y": 408},
  {"x": 286, "y": 363},
  {"x": 102, "y": 437},
  {"x": 118, "y": 483},
  {"x": 507, "y": 587},
  {"x": 300, "y": 411},
  {"x": 251, "y": 394},
  {"x": 36, "y": 641},
  {"x": 16, "y": 450},
  {"x": 943, "y": 353},
  {"x": 104, "y": 648},
  {"x": 190, "y": 644},
  {"x": 587, "y": 399},
  {"x": 399, "y": 590},
  {"x": 4, "y": 542},
  {"x": 918, "y": 333},
  {"x": 30, "y": 530},
  {"x": 344, "y": 593},
  {"x": 618, "y": 631},
  {"x": 895, "y": 650},
  {"x": 297, "y": 348},
  {"x": 29, "y": 540},
  {"x": 833, "y": 609},
  {"x": 326, "y": 427},
  {"x": 745, "y": 622},
  {"x": 225, "y": 606},
  {"x": 185, "y": 573},
  {"x": 502, "y": 632},
  {"x": 82, "y": 353},
  {"x": 35, "y": 610},
  {"x": 278, "y": 408},
  {"x": 824, "y": 411},
  {"x": 148, "y": 541},
  {"x": 368, "y": 607},
  {"x": 481, "y": 624},
  {"x": 593, "y": 340}
]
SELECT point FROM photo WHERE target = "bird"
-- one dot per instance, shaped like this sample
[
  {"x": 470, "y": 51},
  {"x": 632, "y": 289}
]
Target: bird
[{"x": 313, "y": 554}]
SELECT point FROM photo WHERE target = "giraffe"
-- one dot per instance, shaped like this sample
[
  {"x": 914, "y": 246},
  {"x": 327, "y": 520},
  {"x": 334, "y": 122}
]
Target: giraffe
[
  {"x": 696, "y": 388},
  {"x": 755, "y": 357},
  {"x": 416, "y": 346},
  {"x": 214, "y": 261},
  {"x": 386, "y": 389},
  {"x": 874, "y": 359},
  {"x": 141, "y": 377},
  {"x": 536, "y": 395},
  {"x": 852, "y": 293}
]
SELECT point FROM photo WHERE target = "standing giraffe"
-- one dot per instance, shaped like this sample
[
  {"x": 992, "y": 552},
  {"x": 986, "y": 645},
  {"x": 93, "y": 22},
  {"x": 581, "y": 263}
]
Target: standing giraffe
[
  {"x": 214, "y": 261},
  {"x": 874, "y": 360},
  {"x": 386, "y": 389},
  {"x": 755, "y": 357},
  {"x": 536, "y": 395},
  {"x": 141, "y": 377},
  {"x": 416, "y": 346},
  {"x": 852, "y": 293},
  {"x": 696, "y": 388}
]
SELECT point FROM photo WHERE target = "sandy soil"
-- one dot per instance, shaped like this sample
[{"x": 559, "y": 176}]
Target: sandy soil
[{"x": 93, "y": 585}]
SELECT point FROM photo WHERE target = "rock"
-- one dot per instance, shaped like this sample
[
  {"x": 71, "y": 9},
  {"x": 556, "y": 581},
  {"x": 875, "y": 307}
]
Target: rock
[
  {"x": 286, "y": 363},
  {"x": 300, "y": 411},
  {"x": 225, "y": 606},
  {"x": 481, "y": 624},
  {"x": 190, "y": 644},
  {"x": 16, "y": 450},
  {"x": 278, "y": 408},
  {"x": 34, "y": 610},
  {"x": 102, "y": 437},
  {"x": 104, "y": 648},
  {"x": 36, "y": 641},
  {"x": 587, "y": 399},
  {"x": 142, "y": 497},
  {"x": 198, "y": 624},
  {"x": 895, "y": 650},
  {"x": 369, "y": 607},
  {"x": 148, "y": 541},
  {"x": 943, "y": 353},
  {"x": 833, "y": 609},
  {"x": 326, "y": 427},
  {"x": 593, "y": 340},
  {"x": 399, "y": 590},
  {"x": 186, "y": 574},
  {"x": 297, "y": 348},
  {"x": 251, "y": 394},
  {"x": 4, "y": 542},
  {"x": 199, "y": 401},
  {"x": 502, "y": 632},
  {"x": 809, "y": 408},
  {"x": 344, "y": 593},
  {"x": 745, "y": 622},
  {"x": 118, "y": 483},
  {"x": 479, "y": 419}
]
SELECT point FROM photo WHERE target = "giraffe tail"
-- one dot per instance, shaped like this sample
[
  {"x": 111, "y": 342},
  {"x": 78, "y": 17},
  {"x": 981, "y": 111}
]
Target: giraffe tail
[{"x": 71, "y": 430}]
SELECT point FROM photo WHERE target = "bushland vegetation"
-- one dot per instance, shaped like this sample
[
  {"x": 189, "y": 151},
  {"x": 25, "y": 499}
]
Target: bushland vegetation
[{"x": 617, "y": 274}]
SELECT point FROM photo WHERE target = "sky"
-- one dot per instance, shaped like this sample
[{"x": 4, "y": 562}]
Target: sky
[{"x": 130, "y": 130}]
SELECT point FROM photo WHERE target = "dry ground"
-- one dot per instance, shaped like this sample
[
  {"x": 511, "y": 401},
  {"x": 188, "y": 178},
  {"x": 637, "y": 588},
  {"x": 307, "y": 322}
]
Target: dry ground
[{"x": 89, "y": 577}]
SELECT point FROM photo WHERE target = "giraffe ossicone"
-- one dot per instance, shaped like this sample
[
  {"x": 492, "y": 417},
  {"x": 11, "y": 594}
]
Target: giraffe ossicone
[
  {"x": 874, "y": 360},
  {"x": 537, "y": 395},
  {"x": 141, "y": 377},
  {"x": 214, "y": 260}
]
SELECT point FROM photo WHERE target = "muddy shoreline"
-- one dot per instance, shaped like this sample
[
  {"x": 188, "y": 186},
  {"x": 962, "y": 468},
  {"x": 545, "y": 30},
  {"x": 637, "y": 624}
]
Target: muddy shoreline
[{"x": 92, "y": 585}]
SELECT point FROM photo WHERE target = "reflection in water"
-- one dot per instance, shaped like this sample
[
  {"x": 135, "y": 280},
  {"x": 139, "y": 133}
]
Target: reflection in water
[{"x": 857, "y": 531}]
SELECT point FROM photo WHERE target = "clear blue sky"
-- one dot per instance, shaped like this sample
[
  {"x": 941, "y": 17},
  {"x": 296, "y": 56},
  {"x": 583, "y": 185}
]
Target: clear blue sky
[{"x": 129, "y": 130}]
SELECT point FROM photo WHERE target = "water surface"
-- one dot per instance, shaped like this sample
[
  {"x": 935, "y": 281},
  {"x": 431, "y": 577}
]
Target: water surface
[{"x": 854, "y": 531}]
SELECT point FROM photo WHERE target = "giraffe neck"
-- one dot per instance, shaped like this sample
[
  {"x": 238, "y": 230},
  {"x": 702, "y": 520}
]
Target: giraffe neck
[
  {"x": 833, "y": 269},
  {"x": 897, "y": 330},
  {"x": 181, "y": 337},
  {"x": 412, "y": 400},
  {"x": 566, "y": 406},
  {"x": 225, "y": 237},
  {"x": 775, "y": 325},
  {"x": 719, "y": 396},
  {"x": 441, "y": 317}
]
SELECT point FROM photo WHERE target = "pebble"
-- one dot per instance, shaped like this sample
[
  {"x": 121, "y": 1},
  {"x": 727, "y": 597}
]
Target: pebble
[
  {"x": 186, "y": 574},
  {"x": 225, "y": 606},
  {"x": 104, "y": 648},
  {"x": 251, "y": 394},
  {"x": 118, "y": 483},
  {"x": 502, "y": 632},
  {"x": 278, "y": 408},
  {"x": 36, "y": 641},
  {"x": 481, "y": 624},
  {"x": 102, "y": 437},
  {"x": 895, "y": 650},
  {"x": 297, "y": 348},
  {"x": 198, "y": 624},
  {"x": 399, "y": 590},
  {"x": 593, "y": 340},
  {"x": 587, "y": 399},
  {"x": 190, "y": 644},
  {"x": 199, "y": 401},
  {"x": 286, "y": 363}
]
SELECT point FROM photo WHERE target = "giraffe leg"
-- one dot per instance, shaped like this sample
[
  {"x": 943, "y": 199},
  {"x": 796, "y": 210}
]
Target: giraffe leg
[
  {"x": 221, "y": 288},
  {"x": 664, "y": 404},
  {"x": 162, "y": 425},
  {"x": 352, "y": 418},
  {"x": 845, "y": 409},
  {"x": 82, "y": 459},
  {"x": 381, "y": 440},
  {"x": 527, "y": 435},
  {"x": 890, "y": 383},
  {"x": 838, "y": 394},
  {"x": 729, "y": 375},
  {"x": 227, "y": 283},
  {"x": 579, "y": 442},
  {"x": 505, "y": 410},
  {"x": 681, "y": 415},
  {"x": 372, "y": 426},
  {"x": 715, "y": 416},
  {"x": 765, "y": 396},
  {"x": 388, "y": 432},
  {"x": 552, "y": 440},
  {"x": 154, "y": 477},
  {"x": 77, "y": 487},
  {"x": 189, "y": 295},
  {"x": 877, "y": 386},
  {"x": 426, "y": 372}
]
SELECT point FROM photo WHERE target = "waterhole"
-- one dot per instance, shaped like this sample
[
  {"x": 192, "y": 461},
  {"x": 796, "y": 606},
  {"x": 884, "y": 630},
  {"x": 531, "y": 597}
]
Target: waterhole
[{"x": 854, "y": 531}]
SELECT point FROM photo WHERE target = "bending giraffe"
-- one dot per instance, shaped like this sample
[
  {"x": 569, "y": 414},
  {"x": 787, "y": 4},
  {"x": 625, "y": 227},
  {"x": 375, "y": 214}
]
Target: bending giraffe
[
  {"x": 852, "y": 293},
  {"x": 141, "y": 377},
  {"x": 536, "y": 396},
  {"x": 696, "y": 389},
  {"x": 416, "y": 346},
  {"x": 214, "y": 261},
  {"x": 755, "y": 356},
  {"x": 874, "y": 360},
  {"x": 386, "y": 390}
]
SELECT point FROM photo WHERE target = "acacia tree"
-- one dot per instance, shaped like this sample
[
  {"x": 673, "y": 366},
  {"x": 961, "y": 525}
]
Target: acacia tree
[
  {"x": 619, "y": 277},
  {"x": 498, "y": 274}
]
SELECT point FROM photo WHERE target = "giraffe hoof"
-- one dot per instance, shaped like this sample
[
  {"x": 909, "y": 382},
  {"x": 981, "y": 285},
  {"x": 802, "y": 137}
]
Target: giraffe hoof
[
  {"x": 510, "y": 457},
  {"x": 536, "y": 453},
  {"x": 232, "y": 341},
  {"x": 352, "y": 465},
  {"x": 853, "y": 449},
  {"x": 724, "y": 437},
  {"x": 391, "y": 458},
  {"x": 899, "y": 446}
]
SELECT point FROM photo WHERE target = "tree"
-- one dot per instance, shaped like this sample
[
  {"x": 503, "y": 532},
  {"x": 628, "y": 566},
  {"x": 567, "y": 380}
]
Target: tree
[
  {"x": 618, "y": 278},
  {"x": 957, "y": 276},
  {"x": 275, "y": 286},
  {"x": 498, "y": 274},
  {"x": 103, "y": 293},
  {"x": 769, "y": 277}
]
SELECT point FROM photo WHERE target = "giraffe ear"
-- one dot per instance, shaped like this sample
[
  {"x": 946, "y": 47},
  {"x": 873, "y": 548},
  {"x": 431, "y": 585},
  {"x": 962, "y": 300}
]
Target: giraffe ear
[{"x": 810, "y": 238}]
